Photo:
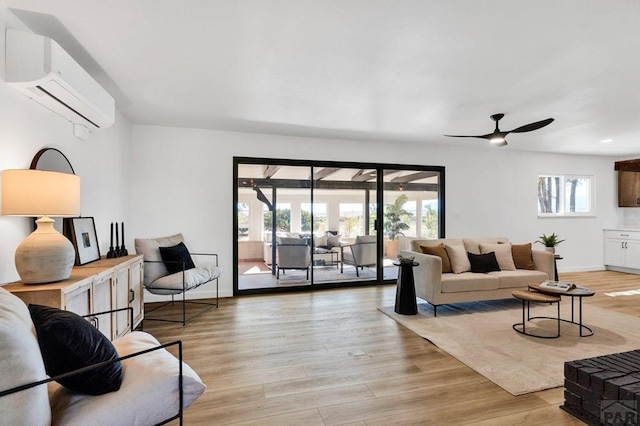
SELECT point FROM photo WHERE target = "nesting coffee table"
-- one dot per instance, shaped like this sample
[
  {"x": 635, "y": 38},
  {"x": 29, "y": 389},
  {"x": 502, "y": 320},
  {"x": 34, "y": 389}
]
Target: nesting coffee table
[
  {"x": 578, "y": 292},
  {"x": 533, "y": 296}
]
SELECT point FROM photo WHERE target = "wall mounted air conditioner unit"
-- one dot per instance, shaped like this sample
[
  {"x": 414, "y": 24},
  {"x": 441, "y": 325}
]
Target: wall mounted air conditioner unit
[{"x": 41, "y": 69}]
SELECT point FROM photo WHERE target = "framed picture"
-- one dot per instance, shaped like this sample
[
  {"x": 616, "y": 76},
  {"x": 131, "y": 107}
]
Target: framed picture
[{"x": 82, "y": 233}]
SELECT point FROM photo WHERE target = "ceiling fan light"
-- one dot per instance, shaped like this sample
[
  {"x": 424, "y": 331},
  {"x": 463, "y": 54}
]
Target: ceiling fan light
[{"x": 496, "y": 139}]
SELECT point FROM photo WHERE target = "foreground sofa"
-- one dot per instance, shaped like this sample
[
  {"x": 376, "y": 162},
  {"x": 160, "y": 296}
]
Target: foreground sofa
[
  {"x": 152, "y": 383},
  {"x": 519, "y": 266}
]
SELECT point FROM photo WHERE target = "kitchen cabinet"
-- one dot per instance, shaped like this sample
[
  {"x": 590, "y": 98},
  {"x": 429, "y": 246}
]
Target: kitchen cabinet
[{"x": 622, "y": 250}]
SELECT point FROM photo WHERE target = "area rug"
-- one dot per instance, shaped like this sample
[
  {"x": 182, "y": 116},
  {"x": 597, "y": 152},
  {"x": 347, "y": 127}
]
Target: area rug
[{"x": 480, "y": 335}]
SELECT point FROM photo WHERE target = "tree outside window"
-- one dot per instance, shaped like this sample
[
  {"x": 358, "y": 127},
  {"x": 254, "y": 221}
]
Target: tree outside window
[{"x": 565, "y": 195}]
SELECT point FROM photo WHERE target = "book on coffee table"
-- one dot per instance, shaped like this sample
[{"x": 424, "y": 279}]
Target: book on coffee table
[{"x": 558, "y": 285}]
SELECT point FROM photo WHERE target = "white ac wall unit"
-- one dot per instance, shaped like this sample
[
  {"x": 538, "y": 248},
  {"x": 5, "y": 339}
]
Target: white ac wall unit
[{"x": 41, "y": 69}]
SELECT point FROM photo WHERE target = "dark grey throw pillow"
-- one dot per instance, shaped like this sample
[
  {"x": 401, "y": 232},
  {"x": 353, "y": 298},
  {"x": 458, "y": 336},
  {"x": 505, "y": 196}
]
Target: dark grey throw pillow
[
  {"x": 483, "y": 263},
  {"x": 174, "y": 257},
  {"x": 69, "y": 342}
]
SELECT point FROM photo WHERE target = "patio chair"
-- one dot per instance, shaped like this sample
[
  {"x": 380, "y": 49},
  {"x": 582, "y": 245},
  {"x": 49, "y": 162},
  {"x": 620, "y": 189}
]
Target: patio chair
[
  {"x": 360, "y": 254},
  {"x": 170, "y": 270},
  {"x": 293, "y": 253}
]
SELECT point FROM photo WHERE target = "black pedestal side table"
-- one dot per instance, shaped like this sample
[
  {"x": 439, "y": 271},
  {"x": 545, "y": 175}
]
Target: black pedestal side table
[{"x": 406, "y": 290}]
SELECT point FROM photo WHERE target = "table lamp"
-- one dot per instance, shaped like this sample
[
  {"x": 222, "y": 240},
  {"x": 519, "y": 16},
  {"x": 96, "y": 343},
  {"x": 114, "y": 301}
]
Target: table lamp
[{"x": 46, "y": 255}]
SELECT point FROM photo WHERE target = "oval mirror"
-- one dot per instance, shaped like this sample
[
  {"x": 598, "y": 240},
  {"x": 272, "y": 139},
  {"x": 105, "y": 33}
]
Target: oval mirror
[{"x": 52, "y": 160}]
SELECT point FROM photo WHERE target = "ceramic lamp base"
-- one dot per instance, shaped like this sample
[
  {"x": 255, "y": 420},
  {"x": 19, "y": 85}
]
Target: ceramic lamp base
[{"x": 45, "y": 256}]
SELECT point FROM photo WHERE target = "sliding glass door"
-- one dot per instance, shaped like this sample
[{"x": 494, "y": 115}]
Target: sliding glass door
[{"x": 300, "y": 224}]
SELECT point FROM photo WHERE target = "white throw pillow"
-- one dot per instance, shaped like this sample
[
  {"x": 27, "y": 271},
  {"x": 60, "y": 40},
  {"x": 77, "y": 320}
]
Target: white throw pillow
[
  {"x": 333, "y": 240},
  {"x": 20, "y": 363},
  {"x": 503, "y": 255},
  {"x": 148, "y": 395},
  {"x": 320, "y": 240},
  {"x": 458, "y": 258}
]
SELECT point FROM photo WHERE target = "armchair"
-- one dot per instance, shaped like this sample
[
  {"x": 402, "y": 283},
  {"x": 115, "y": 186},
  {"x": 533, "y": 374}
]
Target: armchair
[
  {"x": 360, "y": 254},
  {"x": 156, "y": 385},
  {"x": 293, "y": 253},
  {"x": 170, "y": 270}
]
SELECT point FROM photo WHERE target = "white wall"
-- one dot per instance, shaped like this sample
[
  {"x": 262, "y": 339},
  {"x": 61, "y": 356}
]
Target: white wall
[
  {"x": 103, "y": 162},
  {"x": 182, "y": 182}
]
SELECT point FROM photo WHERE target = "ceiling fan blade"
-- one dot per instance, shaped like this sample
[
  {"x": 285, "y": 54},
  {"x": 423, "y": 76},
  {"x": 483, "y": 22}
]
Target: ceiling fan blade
[
  {"x": 488, "y": 136},
  {"x": 532, "y": 126}
]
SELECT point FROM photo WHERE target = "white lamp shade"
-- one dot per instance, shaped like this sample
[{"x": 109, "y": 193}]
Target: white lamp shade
[
  {"x": 38, "y": 193},
  {"x": 45, "y": 255}
]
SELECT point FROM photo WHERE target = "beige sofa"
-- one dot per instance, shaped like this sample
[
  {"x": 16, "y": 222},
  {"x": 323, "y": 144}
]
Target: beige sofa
[{"x": 440, "y": 288}]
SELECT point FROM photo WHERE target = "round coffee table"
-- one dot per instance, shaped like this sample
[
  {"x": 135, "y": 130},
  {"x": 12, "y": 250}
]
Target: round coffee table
[
  {"x": 533, "y": 296},
  {"x": 579, "y": 292}
]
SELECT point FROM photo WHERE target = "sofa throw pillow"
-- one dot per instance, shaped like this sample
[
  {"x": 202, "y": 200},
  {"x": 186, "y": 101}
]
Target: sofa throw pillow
[
  {"x": 174, "y": 257},
  {"x": 69, "y": 342},
  {"x": 523, "y": 256},
  {"x": 441, "y": 252},
  {"x": 503, "y": 255},
  {"x": 483, "y": 263},
  {"x": 458, "y": 258},
  {"x": 333, "y": 240}
]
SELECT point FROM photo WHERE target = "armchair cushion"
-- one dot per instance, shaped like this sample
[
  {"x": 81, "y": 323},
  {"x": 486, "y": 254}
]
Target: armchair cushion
[
  {"x": 176, "y": 257},
  {"x": 173, "y": 284},
  {"x": 149, "y": 392},
  {"x": 150, "y": 249},
  {"x": 20, "y": 363},
  {"x": 69, "y": 342}
]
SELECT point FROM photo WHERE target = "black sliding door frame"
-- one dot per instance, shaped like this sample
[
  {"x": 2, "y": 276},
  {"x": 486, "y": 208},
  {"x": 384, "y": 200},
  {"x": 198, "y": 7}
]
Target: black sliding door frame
[{"x": 376, "y": 170}]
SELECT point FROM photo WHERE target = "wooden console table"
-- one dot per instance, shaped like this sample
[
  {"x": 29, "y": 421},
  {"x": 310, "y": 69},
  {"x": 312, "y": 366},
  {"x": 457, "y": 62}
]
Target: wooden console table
[{"x": 99, "y": 286}]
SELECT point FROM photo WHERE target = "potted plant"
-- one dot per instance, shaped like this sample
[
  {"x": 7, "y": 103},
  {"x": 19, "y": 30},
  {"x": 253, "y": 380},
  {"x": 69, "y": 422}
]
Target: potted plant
[
  {"x": 549, "y": 241},
  {"x": 395, "y": 218}
]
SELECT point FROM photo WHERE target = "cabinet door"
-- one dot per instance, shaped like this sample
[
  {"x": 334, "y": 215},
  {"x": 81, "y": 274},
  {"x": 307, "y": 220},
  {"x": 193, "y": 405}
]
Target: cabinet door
[
  {"x": 120, "y": 299},
  {"x": 135, "y": 292},
  {"x": 79, "y": 301},
  {"x": 102, "y": 303},
  {"x": 614, "y": 252},
  {"x": 632, "y": 254}
]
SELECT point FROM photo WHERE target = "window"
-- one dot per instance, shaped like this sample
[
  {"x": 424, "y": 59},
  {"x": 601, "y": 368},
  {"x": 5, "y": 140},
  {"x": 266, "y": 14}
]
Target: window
[
  {"x": 351, "y": 219},
  {"x": 565, "y": 195},
  {"x": 243, "y": 221}
]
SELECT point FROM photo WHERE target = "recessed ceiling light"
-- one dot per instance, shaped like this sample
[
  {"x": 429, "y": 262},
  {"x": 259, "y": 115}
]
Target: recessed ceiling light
[{"x": 606, "y": 141}]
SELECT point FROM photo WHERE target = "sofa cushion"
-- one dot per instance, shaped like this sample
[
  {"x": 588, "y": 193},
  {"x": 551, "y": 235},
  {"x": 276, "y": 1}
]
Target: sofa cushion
[
  {"x": 522, "y": 256},
  {"x": 149, "y": 392},
  {"x": 473, "y": 244},
  {"x": 20, "y": 363},
  {"x": 175, "y": 257},
  {"x": 441, "y": 252},
  {"x": 458, "y": 258},
  {"x": 150, "y": 249},
  {"x": 483, "y": 263},
  {"x": 468, "y": 281},
  {"x": 518, "y": 278},
  {"x": 503, "y": 254},
  {"x": 416, "y": 244},
  {"x": 69, "y": 342}
]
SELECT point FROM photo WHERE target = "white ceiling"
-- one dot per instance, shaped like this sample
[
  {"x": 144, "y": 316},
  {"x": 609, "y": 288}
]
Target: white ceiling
[{"x": 394, "y": 70}]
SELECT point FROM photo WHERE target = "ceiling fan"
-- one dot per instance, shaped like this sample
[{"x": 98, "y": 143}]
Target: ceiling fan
[{"x": 498, "y": 137}]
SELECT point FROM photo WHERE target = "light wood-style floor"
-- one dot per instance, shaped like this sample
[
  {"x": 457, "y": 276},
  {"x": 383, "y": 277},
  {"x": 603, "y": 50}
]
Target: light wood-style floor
[{"x": 331, "y": 358}]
